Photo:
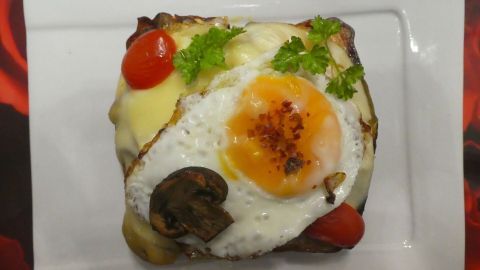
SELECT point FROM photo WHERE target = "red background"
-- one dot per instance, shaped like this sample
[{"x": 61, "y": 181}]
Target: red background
[
  {"x": 16, "y": 249},
  {"x": 471, "y": 128}
]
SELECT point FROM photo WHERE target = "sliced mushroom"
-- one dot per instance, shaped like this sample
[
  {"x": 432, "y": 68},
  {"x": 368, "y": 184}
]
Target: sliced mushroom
[
  {"x": 188, "y": 201},
  {"x": 331, "y": 183}
]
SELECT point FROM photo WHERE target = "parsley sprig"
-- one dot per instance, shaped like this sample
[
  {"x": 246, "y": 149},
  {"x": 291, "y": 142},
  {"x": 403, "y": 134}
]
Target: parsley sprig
[
  {"x": 342, "y": 85},
  {"x": 204, "y": 52},
  {"x": 322, "y": 29},
  {"x": 293, "y": 55}
]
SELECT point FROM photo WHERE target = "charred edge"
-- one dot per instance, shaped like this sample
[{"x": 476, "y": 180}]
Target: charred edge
[
  {"x": 365, "y": 127},
  {"x": 373, "y": 122},
  {"x": 348, "y": 35},
  {"x": 361, "y": 206},
  {"x": 331, "y": 197},
  {"x": 144, "y": 24},
  {"x": 303, "y": 243},
  {"x": 164, "y": 20},
  {"x": 193, "y": 253}
]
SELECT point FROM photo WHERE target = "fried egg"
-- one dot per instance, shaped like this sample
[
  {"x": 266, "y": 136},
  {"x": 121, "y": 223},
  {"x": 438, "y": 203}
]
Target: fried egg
[{"x": 273, "y": 138}]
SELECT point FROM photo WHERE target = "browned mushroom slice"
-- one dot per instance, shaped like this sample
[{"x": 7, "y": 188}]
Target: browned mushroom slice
[
  {"x": 331, "y": 183},
  {"x": 188, "y": 201}
]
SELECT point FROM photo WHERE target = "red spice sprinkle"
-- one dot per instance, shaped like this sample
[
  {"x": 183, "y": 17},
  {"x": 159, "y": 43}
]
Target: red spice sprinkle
[
  {"x": 291, "y": 148},
  {"x": 295, "y": 117},
  {"x": 279, "y": 130},
  {"x": 286, "y": 106}
]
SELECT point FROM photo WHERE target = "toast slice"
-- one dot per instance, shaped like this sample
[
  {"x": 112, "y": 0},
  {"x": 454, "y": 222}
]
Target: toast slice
[{"x": 157, "y": 249}]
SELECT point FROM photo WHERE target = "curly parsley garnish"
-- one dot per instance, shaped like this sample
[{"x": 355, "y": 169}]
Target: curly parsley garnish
[
  {"x": 323, "y": 29},
  {"x": 293, "y": 55},
  {"x": 342, "y": 85},
  {"x": 204, "y": 52}
]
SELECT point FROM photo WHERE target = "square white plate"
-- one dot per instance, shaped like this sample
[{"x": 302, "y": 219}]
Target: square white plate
[{"x": 412, "y": 54}]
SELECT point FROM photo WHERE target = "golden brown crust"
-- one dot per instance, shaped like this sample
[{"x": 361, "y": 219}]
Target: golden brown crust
[
  {"x": 303, "y": 243},
  {"x": 165, "y": 20}
]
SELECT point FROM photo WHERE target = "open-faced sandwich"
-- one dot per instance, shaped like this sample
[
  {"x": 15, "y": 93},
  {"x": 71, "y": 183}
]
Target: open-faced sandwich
[{"x": 239, "y": 141}]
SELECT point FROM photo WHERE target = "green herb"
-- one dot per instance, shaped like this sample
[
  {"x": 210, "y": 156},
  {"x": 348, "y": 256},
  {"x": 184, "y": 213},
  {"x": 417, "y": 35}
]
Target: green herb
[
  {"x": 342, "y": 85},
  {"x": 316, "y": 61},
  {"x": 289, "y": 56},
  {"x": 204, "y": 52},
  {"x": 293, "y": 54},
  {"x": 323, "y": 29}
]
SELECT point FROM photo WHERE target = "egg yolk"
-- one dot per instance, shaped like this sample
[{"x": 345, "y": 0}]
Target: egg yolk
[{"x": 284, "y": 135}]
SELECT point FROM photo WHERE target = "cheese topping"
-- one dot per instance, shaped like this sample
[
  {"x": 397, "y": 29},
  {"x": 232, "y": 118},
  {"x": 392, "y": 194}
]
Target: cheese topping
[{"x": 139, "y": 115}]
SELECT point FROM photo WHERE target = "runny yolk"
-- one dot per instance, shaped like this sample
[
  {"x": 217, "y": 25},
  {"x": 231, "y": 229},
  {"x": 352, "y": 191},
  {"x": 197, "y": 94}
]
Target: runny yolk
[{"x": 284, "y": 135}]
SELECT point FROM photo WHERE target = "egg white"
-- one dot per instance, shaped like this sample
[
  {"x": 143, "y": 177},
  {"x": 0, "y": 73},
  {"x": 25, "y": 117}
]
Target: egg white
[{"x": 262, "y": 221}]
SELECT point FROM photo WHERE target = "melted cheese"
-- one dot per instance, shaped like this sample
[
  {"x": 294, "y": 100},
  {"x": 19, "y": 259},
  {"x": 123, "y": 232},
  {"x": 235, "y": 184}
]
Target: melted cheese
[
  {"x": 138, "y": 115},
  {"x": 258, "y": 39},
  {"x": 359, "y": 191}
]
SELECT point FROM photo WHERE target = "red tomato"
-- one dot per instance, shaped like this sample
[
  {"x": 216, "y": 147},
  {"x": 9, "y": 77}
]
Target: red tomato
[
  {"x": 342, "y": 227},
  {"x": 149, "y": 60}
]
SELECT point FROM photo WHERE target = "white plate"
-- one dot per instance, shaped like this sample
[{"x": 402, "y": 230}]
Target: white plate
[{"x": 412, "y": 53}]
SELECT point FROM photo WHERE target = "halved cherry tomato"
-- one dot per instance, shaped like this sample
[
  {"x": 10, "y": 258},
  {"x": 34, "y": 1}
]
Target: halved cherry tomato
[
  {"x": 342, "y": 227},
  {"x": 149, "y": 60}
]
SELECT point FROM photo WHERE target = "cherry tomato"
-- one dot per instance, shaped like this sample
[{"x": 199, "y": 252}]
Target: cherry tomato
[
  {"x": 342, "y": 227},
  {"x": 149, "y": 60}
]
